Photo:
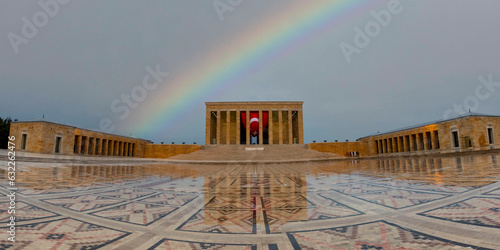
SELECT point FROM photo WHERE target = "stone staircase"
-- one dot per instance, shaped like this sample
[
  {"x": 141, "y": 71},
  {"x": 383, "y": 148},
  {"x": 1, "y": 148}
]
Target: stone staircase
[{"x": 294, "y": 152}]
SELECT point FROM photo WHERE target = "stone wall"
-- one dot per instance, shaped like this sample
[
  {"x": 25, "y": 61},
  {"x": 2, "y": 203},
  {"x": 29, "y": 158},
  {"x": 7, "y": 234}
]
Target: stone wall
[
  {"x": 168, "y": 150},
  {"x": 41, "y": 138},
  {"x": 341, "y": 148},
  {"x": 475, "y": 128},
  {"x": 432, "y": 138}
]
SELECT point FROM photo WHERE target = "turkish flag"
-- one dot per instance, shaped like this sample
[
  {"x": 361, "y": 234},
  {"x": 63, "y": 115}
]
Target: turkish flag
[{"x": 254, "y": 121}]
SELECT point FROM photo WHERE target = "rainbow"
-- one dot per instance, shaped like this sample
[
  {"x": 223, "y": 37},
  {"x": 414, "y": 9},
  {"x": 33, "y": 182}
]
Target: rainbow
[{"x": 272, "y": 38}]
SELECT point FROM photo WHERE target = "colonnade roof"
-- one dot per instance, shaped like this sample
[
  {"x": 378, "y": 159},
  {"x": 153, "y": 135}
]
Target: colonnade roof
[
  {"x": 470, "y": 114},
  {"x": 42, "y": 120}
]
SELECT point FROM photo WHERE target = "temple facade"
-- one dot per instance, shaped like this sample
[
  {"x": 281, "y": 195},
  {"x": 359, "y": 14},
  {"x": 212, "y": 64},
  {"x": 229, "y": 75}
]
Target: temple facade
[{"x": 245, "y": 123}]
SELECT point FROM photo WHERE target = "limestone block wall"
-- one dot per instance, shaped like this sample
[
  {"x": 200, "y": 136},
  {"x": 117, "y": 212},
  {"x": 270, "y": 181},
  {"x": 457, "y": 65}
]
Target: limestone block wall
[
  {"x": 341, "y": 148},
  {"x": 473, "y": 127},
  {"x": 168, "y": 150},
  {"x": 41, "y": 137}
]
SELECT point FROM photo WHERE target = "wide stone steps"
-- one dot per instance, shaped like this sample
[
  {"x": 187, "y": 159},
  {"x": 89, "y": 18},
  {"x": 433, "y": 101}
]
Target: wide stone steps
[{"x": 255, "y": 153}]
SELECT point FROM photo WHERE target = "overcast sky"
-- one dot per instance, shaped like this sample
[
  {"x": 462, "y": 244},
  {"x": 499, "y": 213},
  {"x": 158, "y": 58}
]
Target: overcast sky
[{"x": 85, "y": 55}]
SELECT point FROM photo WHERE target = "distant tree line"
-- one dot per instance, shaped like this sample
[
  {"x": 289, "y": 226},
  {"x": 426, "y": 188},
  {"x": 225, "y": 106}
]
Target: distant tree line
[{"x": 4, "y": 131}]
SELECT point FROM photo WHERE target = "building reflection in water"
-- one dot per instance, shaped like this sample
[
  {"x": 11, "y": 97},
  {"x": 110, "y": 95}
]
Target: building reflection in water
[{"x": 269, "y": 180}]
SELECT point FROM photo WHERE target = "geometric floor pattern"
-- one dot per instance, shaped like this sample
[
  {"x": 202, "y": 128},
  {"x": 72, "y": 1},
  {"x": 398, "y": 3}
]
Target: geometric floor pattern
[
  {"x": 328, "y": 209},
  {"x": 357, "y": 188},
  {"x": 494, "y": 192},
  {"x": 371, "y": 235},
  {"x": 63, "y": 234},
  {"x": 178, "y": 244},
  {"x": 479, "y": 211},
  {"x": 83, "y": 202},
  {"x": 125, "y": 193},
  {"x": 406, "y": 203},
  {"x": 221, "y": 221},
  {"x": 24, "y": 212},
  {"x": 397, "y": 198},
  {"x": 136, "y": 213},
  {"x": 175, "y": 199}
]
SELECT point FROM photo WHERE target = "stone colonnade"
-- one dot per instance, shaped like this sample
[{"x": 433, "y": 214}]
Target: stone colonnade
[
  {"x": 408, "y": 141},
  {"x": 102, "y": 144},
  {"x": 224, "y": 124}
]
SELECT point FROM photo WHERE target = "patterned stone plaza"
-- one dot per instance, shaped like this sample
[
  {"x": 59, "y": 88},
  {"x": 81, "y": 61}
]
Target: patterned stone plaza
[{"x": 403, "y": 203}]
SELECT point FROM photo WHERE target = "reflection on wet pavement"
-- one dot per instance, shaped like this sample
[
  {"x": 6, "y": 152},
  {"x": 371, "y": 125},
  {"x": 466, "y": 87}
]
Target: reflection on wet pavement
[{"x": 450, "y": 202}]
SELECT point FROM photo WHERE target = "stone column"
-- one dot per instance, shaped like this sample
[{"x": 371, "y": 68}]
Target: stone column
[
  {"x": 99, "y": 147},
  {"x": 126, "y": 148},
  {"x": 248, "y": 126},
  {"x": 85, "y": 145},
  {"x": 208, "y": 128},
  {"x": 261, "y": 133},
  {"x": 385, "y": 145},
  {"x": 412, "y": 144},
  {"x": 395, "y": 145},
  {"x": 238, "y": 126},
  {"x": 426, "y": 141},
  {"x": 301, "y": 127},
  {"x": 228, "y": 127},
  {"x": 218, "y": 135},
  {"x": 270, "y": 127},
  {"x": 419, "y": 144},
  {"x": 401, "y": 144},
  {"x": 78, "y": 144},
  {"x": 290, "y": 129},
  {"x": 280, "y": 124},
  {"x": 104, "y": 150},
  {"x": 433, "y": 140}
]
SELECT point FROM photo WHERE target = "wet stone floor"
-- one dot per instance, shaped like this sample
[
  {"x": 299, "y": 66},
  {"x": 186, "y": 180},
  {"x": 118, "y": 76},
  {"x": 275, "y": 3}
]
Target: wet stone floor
[{"x": 398, "y": 203}]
